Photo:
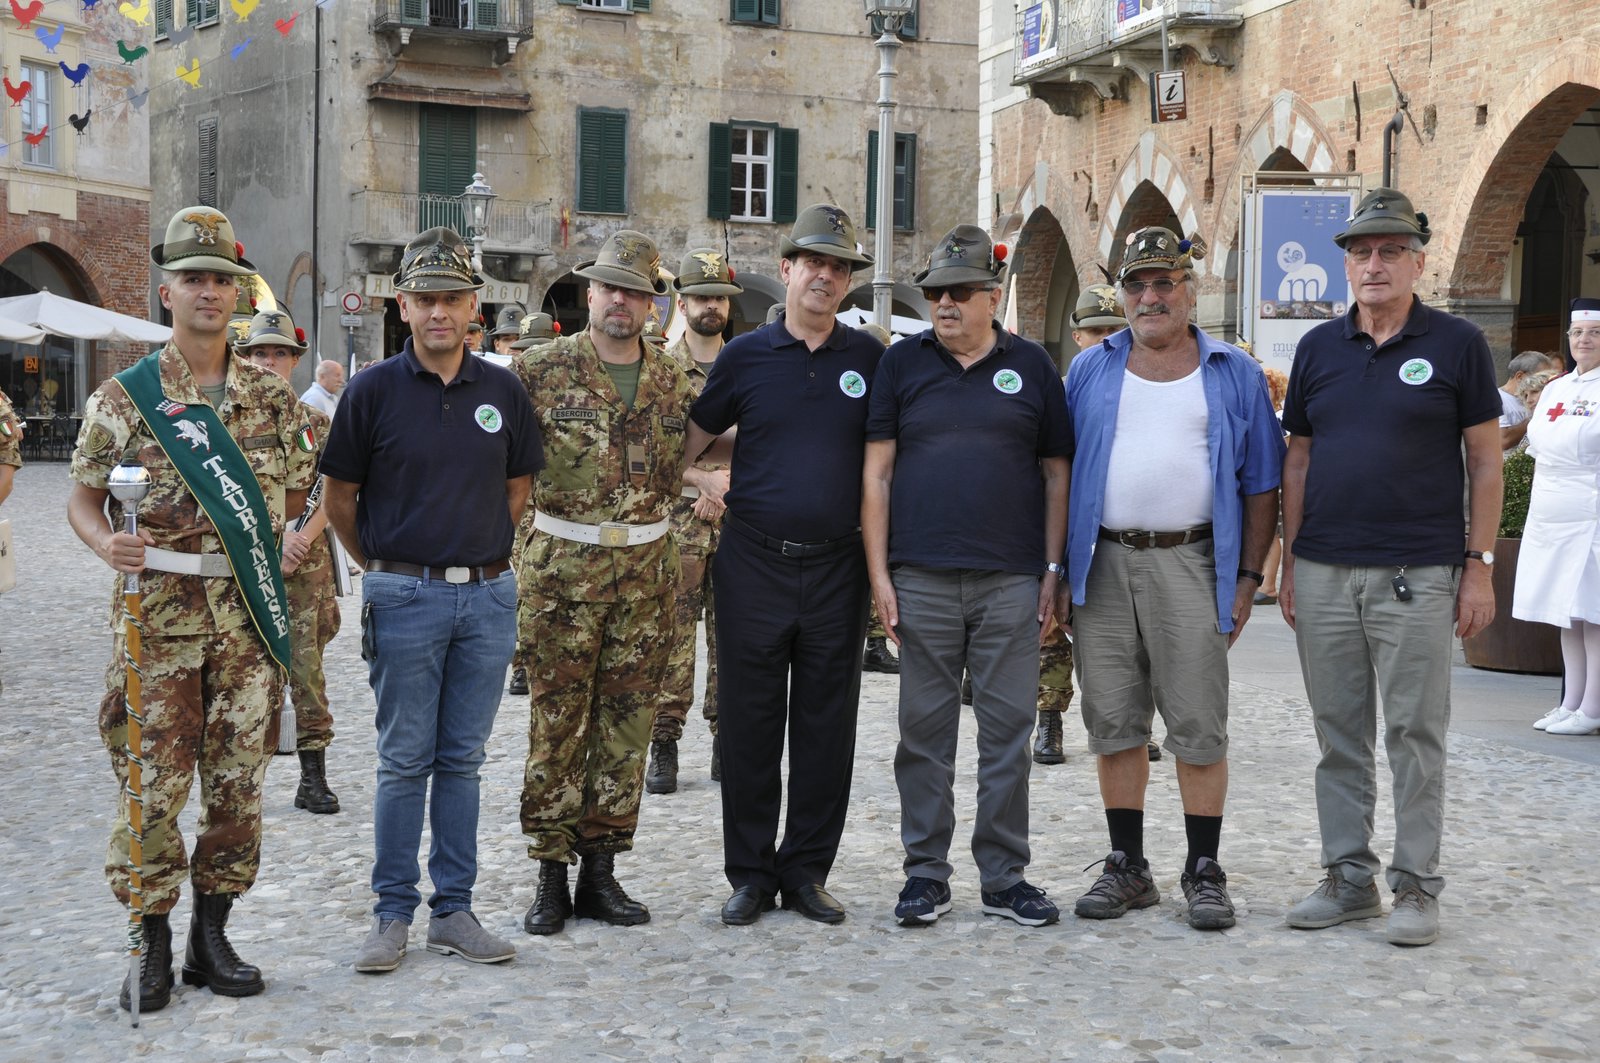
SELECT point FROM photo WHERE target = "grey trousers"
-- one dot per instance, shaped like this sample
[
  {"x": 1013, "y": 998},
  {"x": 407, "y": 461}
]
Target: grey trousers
[
  {"x": 1356, "y": 643},
  {"x": 988, "y": 623}
]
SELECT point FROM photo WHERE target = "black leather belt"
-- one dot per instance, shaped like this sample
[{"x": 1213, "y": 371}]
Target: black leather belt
[
  {"x": 447, "y": 573},
  {"x": 788, "y": 547},
  {"x": 1144, "y": 540}
]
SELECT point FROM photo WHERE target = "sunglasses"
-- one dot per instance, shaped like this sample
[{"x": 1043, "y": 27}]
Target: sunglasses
[
  {"x": 958, "y": 293},
  {"x": 1161, "y": 286}
]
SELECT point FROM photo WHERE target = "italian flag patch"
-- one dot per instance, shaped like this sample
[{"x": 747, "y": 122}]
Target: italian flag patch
[
  {"x": 306, "y": 440},
  {"x": 5, "y": 428}
]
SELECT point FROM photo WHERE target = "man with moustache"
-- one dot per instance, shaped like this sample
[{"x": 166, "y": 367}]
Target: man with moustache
[
  {"x": 705, "y": 285},
  {"x": 599, "y": 574},
  {"x": 966, "y": 592},
  {"x": 1174, "y": 501},
  {"x": 789, "y": 576}
]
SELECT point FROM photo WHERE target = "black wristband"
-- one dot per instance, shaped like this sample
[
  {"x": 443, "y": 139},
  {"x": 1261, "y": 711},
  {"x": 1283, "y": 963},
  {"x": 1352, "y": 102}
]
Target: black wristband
[{"x": 1245, "y": 573}]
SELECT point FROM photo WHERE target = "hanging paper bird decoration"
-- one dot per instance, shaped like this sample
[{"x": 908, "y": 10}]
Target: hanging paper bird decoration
[
  {"x": 75, "y": 74},
  {"x": 35, "y": 139},
  {"x": 242, "y": 8},
  {"x": 80, "y": 123},
  {"x": 192, "y": 74},
  {"x": 130, "y": 55},
  {"x": 26, "y": 13},
  {"x": 139, "y": 12},
  {"x": 286, "y": 24},
  {"x": 48, "y": 39},
  {"x": 18, "y": 93}
]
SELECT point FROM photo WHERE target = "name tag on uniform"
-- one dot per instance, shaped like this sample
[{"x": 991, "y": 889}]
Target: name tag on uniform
[
  {"x": 257, "y": 442},
  {"x": 636, "y": 461},
  {"x": 574, "y": 415},
  {"x": 673, "y": 422}
]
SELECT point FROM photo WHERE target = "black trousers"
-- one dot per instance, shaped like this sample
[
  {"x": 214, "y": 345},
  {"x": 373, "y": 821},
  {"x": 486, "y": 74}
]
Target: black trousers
[{"x": 789, "y": 641}]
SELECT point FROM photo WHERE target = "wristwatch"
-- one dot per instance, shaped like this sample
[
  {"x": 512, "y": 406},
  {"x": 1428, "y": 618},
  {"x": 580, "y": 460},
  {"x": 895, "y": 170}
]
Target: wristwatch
[
  {"x": 1055, "y": 567},
  {"x": 1486, "y": 556}
]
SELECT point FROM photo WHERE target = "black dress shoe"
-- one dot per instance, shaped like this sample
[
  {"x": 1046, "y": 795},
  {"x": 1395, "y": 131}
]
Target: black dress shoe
[
  {"x": 746, "y": 905},
  {"x": 814, "y": 903}
]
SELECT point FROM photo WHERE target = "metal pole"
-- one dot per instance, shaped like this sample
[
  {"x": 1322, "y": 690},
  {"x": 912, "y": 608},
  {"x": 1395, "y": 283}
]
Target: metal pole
[
  {"x": 1395, "y": 125},
  {"x": 1166, "y": 56},
  {"x": 883, "y": 248}
]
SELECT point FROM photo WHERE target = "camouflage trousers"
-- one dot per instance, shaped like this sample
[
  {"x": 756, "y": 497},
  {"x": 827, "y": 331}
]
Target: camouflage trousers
[
  {"x": 594, "y": 672},
  {"x": 1055, "y": 673},
  {"x": 207, "y": 703},
  {"x": 693, "y": 598},
  {"x": 875, "y": 628},
  {"x": 519, "y": 656},
  {"x": 314, "y": 620}
]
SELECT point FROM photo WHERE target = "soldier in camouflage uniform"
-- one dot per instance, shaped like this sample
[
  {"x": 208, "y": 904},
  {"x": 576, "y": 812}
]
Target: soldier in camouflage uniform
[
  {"x": 530, "y": 331},
  {"x": 208, "y": 676},
  {"x": 599, "y": 575},
  {"x": 506, "y": 329},
  {"x": 705, "y": 284},
  {"x": 274, "y": 344},
  {"x": 10, "y": 445}
]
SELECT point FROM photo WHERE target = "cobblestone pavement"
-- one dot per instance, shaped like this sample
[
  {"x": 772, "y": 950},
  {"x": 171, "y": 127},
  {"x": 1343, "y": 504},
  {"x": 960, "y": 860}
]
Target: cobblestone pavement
[{"x": 1512, "y": 977}]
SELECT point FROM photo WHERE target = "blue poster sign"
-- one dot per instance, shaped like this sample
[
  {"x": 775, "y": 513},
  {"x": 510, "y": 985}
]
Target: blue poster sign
[
  {"x": 1302, "y": 269},
  {"x": 1032, "y": 20},
  {"x": 1127, "y": 9}
]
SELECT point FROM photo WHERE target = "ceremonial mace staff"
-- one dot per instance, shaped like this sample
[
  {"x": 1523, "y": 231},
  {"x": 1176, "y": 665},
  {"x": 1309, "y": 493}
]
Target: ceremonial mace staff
[{"x": 129, "y": 483}]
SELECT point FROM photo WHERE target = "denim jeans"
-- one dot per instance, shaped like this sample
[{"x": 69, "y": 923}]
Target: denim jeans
[{"x": 441, "y": 653}]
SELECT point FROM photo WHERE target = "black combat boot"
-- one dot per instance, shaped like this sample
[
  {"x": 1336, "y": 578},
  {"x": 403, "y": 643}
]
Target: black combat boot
[
  {"x": 519, "y": 681},
  {"x": 1047, "y": 743},
  {"x": 552, "y": 904},
  {"x": 966, "y": 688},
  {"x": 210, "y": 960},
  {"x": 662, "y": 778},
  {"x": 599, "y": 896},
  {"x": 314, "y": 795},
  {"x": 716, "y": 758},
  {"x": 879, "y": 658},
  {"x": 155, "y": 967}
]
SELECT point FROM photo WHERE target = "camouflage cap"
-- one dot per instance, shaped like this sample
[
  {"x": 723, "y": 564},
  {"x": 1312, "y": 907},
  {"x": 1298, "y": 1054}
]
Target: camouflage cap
[
  {"x": 1154, "y": 247},
  {"x": 627, "y": 259},
  {"x": 1385, "y": 211},
  {"x": 963, "y": 255},
  {"x": 825, "y": 229},
  {"x": 201, "y": 239},
  {"x": 535, "y": 329},
  {"x": 508, "y": 322},
  {"x": 437, "y": 261},
  {"x": 1098, "y": 308},
  {"x": 274, "y": 328},
  {"x": 705, "y": 271}
]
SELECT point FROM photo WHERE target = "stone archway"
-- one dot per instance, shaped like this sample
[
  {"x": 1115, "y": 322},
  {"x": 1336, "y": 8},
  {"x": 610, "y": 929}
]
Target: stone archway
[
  {"x": 1151, "y": 168},
  {"x": 1034, "y": 262}
]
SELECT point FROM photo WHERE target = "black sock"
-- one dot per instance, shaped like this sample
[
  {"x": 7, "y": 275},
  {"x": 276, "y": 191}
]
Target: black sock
[
  {"x": 1205, "y": 836},
  {"x": 1127, "y": 833}
]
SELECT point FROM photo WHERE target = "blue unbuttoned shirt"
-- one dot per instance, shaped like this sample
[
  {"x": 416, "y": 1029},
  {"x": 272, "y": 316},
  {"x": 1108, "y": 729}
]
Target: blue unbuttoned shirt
[{"x": 1242, "y": 435}]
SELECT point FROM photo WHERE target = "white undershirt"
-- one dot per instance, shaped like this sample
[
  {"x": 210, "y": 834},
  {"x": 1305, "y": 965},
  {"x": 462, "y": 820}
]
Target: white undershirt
[{"x": 1159, "y": 478}]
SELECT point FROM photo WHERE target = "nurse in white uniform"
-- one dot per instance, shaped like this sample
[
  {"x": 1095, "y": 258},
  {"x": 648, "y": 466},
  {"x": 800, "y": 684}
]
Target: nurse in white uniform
[{"x": 1558, "y": 570}]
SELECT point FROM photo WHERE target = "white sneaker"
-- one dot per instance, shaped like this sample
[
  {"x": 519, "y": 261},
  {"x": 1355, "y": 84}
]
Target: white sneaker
[
  {"x": 1575, "y": 724},
  {"x": 1555, "y": 715}
]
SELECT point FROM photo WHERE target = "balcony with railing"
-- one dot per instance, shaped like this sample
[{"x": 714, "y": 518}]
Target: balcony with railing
[
  {"x": 1071, "y": 52},
  {"x": 502, "y": 23},
  {"x": 516, "y": 227}
]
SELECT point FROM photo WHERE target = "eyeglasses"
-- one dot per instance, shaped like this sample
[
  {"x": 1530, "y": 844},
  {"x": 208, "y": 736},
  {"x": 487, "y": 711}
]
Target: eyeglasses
[
  {"x": 1388, "y": 252},
  {"x": 1161, "y": 286},
  {"x": 1580, "y": 333},
  {"x": 958, "y": 293}
]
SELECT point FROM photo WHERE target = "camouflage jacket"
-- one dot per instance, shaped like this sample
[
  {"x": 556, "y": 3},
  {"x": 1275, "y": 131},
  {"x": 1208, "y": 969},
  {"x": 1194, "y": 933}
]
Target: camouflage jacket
[
  {"x": 587, "y": 433},
  {"x": 262, "y": 415},
  {"x": 10, "y": 434},
  {"x": 316, "y": 571},
  {"x": 688, "y": 529}
]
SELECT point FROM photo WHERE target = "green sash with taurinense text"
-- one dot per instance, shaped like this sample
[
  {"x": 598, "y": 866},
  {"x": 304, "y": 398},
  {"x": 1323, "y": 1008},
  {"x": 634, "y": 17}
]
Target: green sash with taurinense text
[{"x": 220, "y": 477}]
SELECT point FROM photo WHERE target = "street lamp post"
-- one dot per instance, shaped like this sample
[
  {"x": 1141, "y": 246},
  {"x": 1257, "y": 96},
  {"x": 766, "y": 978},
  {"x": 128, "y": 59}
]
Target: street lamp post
[
  {"x": 892, "y": 14},
  {"x": 478, "y": 198}
]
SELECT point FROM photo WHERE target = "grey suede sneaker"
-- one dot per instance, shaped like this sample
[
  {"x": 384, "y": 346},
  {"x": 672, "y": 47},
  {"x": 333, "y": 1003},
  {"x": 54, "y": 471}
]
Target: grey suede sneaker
[
  {"x": 1415, "y": 917},
  {"x": 1336, "y": 900},
  {"x": 385, "y": 946},
  {"x": 461, "y": 933}
]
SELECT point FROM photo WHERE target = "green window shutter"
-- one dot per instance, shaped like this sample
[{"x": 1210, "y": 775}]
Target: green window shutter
[
  {"x": 786, "y": 175},
  {"x": 602, "y": 161},
  {"x": 191, "y": 12},
  {"x": 746, "y": 11},
  {"x": 905, "y": 191},
  {"x": 641, "y": 6},
  {"x": 486, "y": 14},
  {"x": 770, "y": 12},
  {"x": 414, "y": 11},
  {"x": 447, "y": 151},
  {"x": 163, "y": 18},
  {"x": 569, "y": 3},
  {"x": 872, "y": 178},
  {"x": 719, "y": 171}
]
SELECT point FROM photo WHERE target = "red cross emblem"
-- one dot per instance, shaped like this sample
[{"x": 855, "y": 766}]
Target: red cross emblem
[{"x": 1556, "y": 411}]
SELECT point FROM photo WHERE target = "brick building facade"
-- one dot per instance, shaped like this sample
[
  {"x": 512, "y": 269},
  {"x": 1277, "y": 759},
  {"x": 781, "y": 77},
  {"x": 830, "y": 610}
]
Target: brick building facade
[{"x": 1499, "y": 144}]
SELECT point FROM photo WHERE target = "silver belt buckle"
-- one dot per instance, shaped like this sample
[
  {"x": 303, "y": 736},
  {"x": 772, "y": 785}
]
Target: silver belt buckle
[
  {"x": 458, "y": 574},
  {"x": 613, "y": 534}
]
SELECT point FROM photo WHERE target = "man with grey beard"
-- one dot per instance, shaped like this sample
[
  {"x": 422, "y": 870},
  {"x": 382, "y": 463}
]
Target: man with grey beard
[{"x": 1173, "y": 502}]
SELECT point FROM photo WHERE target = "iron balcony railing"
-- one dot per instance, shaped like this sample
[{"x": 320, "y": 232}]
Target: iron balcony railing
[
  {"x": 515, "y": 226},
  {"x": 1087, "y": 28},
  {"x": 491, "y": 17}
]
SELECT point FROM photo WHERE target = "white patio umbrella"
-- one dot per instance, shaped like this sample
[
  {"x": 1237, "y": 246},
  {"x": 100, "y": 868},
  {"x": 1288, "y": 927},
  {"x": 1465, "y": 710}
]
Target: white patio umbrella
[
  {"x": 17, "y": 332},
  {"x": 59, "y": 316}
]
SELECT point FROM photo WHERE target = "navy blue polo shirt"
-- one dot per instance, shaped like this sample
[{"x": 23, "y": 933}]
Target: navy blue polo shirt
[
  {"x": 1385, "y": 482},
  {"x": 433, "y": 460},
  {"x": 802, "y": 415},
  {"x": 967, "y": 491}
]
